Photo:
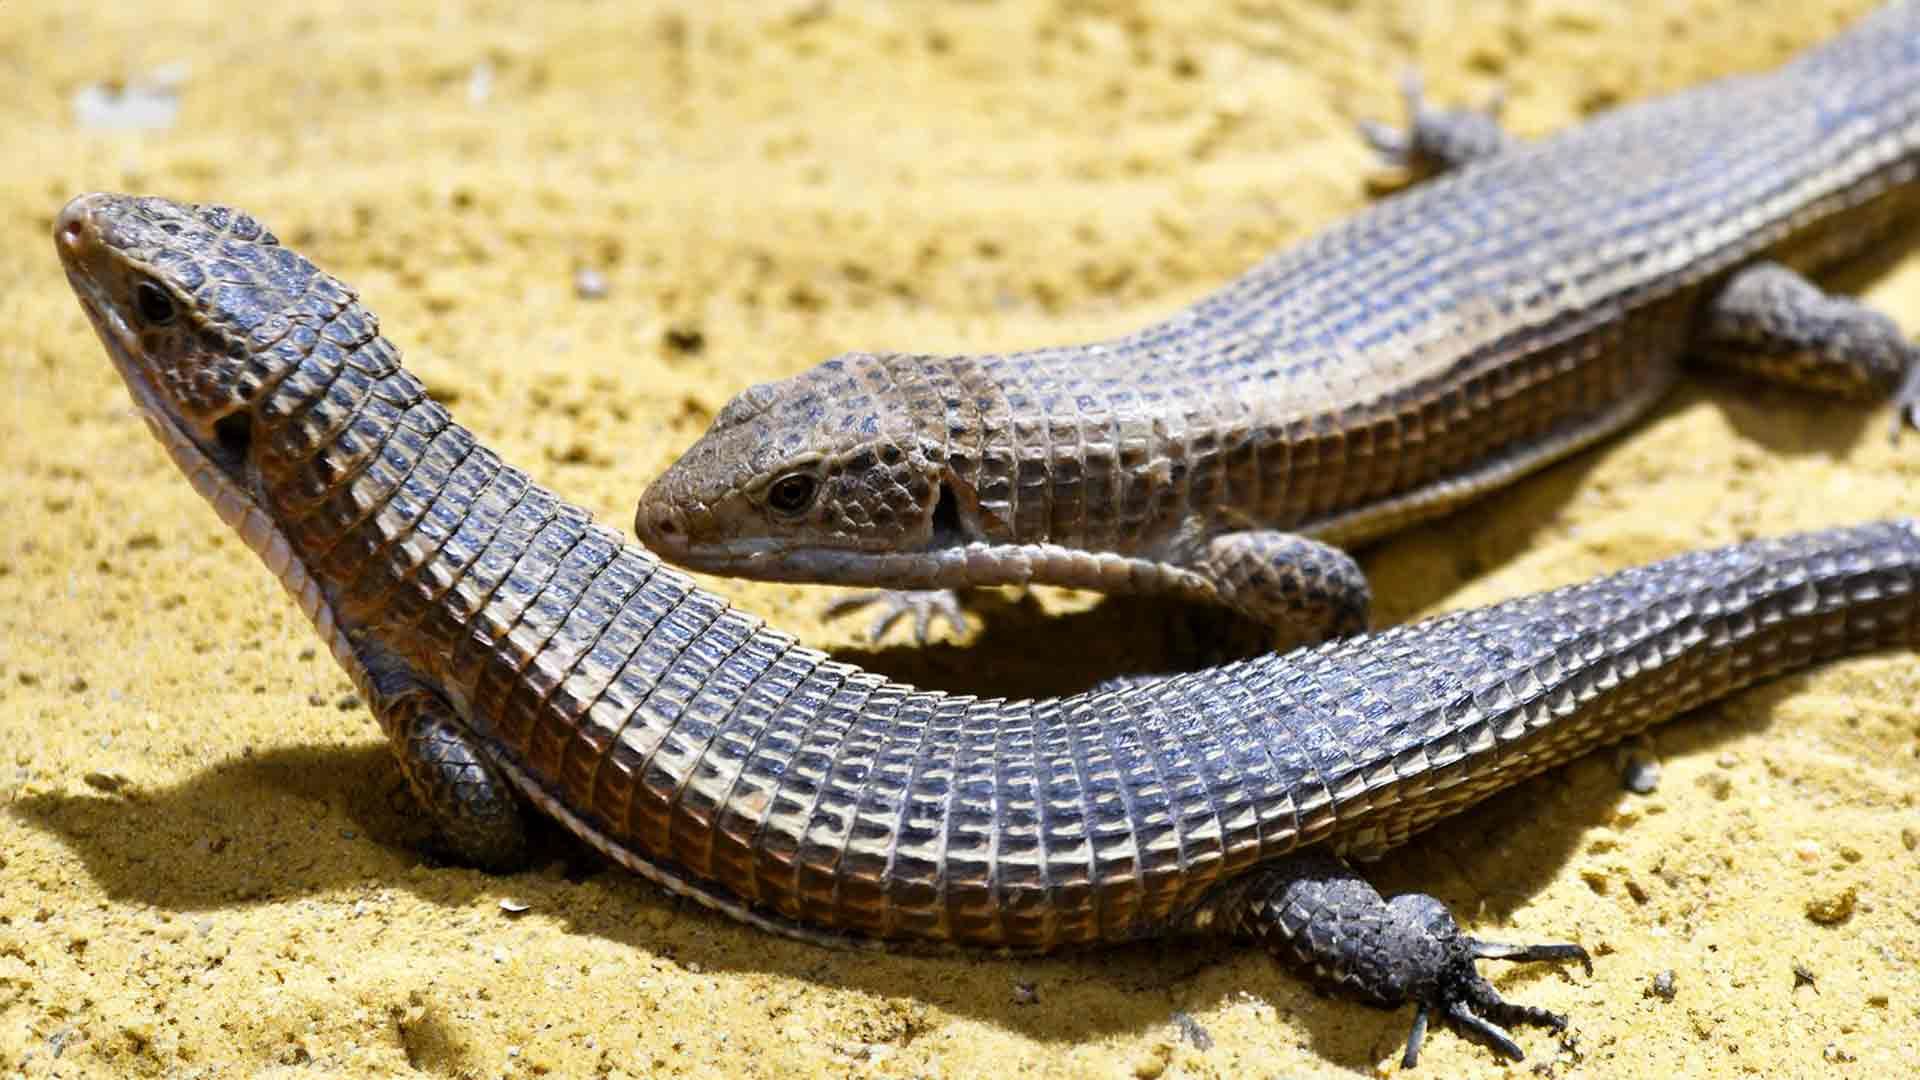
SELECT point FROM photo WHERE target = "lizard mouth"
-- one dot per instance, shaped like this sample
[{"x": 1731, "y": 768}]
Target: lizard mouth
[
  {"x": 758, "y": 560},
  {"x": 224, "y": 447}
]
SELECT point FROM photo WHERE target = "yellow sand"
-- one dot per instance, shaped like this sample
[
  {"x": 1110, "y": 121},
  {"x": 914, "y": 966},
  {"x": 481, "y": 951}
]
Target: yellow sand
[{"x": 204, "y": 865}]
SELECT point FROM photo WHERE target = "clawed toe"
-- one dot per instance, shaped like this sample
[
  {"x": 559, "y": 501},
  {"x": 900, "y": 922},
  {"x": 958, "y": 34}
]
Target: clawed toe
[
  {"x": 1521, "y": 954},
  {"x": 1906, "y": 399},
  {"x": 1906, "y": 414},
  {"x": 1475, "y": 1027},
  {"x": 924, "y": 605},
  {"x": 1396, "y": 146},
  {"x": 1461, "y": 1014}
]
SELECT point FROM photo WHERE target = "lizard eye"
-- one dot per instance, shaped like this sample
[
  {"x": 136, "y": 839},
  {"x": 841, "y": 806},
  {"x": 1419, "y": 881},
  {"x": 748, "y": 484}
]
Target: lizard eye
[
  {"x": 793, "y": 493},
  {"x": 156, "y": 307}
]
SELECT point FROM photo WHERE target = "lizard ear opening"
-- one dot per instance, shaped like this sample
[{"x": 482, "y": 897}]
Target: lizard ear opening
[
  {"x": 234, "y": 433},
  {"x": 948, "y": 528}
]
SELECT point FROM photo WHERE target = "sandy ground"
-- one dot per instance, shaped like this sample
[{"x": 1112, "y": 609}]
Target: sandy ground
[{"x": 203, "y": 866}]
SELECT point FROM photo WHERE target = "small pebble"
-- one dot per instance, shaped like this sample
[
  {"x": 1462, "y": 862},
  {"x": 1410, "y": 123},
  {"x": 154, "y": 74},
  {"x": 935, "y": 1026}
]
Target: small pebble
[
  {"x": 1663, "y": 986},
  {"x": 685, "y": 339},
  {"x": 149, "y": 103},
  {"x": 480, "y": 84},
  {"x": 1641, "y": 774},
  {"x": 1025, "y": 993},
  {"x": 1191, "y": 1031},
  {"x": 1803, "y": 976},
  {"x": 105, "y": 781},
  {"x": 512, "y": 906},
  {"x": 1835, "y": 909},
  {"x": 589, "y": 284}
]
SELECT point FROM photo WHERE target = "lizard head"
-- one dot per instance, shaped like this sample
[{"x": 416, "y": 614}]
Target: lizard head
[
  {"x": 200, "y": 309},
  {"x": 805, "y": 479}
]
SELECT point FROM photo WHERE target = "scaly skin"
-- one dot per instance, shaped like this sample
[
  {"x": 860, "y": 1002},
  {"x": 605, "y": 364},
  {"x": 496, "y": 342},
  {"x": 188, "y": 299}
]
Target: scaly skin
[
  {"x": 1440, "y": 344},
  {"x": 519, "y": 655}
]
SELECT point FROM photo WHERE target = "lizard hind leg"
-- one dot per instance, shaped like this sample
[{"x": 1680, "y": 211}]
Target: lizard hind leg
[
  {"x": 1320, "y": 918},
  {"x": 1770, "y": 322},
  {"x": 479, "y": 817}
]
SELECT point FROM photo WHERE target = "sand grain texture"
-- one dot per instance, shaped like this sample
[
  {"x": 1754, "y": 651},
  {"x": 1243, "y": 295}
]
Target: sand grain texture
[{"x": 203, "y": 869}]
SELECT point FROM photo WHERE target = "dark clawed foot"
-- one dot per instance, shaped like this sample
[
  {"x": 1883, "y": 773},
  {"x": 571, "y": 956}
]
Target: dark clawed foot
[
  {"x": 1320, "y": 917},
  {"x": 1470, "y": 1004},
  {"x": 925, "y": 605},
  {"x": 1436, "y": 139}
]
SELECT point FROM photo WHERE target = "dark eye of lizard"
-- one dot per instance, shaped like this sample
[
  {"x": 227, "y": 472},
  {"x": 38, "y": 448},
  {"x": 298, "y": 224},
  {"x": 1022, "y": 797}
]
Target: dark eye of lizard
[
  {"x": 792, "y": 493},
  {"x": 156, "y": 307}
]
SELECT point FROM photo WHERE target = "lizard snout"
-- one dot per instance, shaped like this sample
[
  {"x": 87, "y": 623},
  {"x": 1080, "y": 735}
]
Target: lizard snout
[{"x": 660, "y": 528}]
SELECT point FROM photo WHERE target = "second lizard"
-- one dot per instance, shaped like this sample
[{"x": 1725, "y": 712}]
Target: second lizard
[{"x": 1442, "y": 343}]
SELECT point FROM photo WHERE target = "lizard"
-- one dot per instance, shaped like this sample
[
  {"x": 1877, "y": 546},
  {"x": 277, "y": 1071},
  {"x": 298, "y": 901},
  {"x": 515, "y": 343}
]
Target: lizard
[
  {"x": 522, "y": 660},
  {"x": 1530, "y": 300}
]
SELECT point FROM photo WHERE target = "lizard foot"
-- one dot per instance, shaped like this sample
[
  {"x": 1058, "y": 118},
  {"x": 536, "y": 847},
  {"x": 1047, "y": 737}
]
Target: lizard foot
[
  {"x": 1436, "y": 140},
  {"x": 925, "y": 605},
  {"x": 1319, "y": 917},
  {"x": 1463, "y": 998}
]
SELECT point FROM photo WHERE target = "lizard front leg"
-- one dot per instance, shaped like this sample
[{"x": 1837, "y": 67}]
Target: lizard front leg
[
  {"x": 1306, "y": 590},
  {"x": 1289, "y": 590},
  {"x": 479, "y": 817}
]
